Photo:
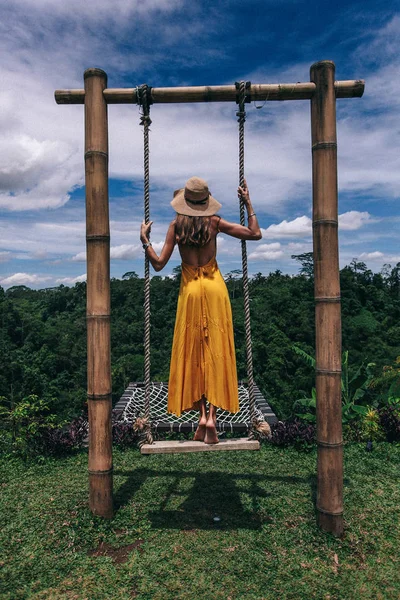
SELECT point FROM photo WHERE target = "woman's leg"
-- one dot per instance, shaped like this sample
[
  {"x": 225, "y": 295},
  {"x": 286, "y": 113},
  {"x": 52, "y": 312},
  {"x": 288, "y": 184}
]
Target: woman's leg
[
  {"x": 211, "y": 436},
  {"x": 201, "y": 429}
]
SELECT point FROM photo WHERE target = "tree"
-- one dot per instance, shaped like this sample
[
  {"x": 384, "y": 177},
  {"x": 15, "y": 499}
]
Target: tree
[
  {"x": 307, "y": 263},
  {"x": 232, "y": 278},
  {"x": 357, "y": 266}
]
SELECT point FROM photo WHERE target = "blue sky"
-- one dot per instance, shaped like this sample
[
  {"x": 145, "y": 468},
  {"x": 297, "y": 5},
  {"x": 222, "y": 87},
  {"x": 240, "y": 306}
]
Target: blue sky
[{"x": 47, "y": 45}]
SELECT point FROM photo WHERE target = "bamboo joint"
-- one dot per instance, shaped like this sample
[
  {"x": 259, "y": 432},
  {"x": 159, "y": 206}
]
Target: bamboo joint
[
  {"x": 338, "y": 513},
  {"x": 330, "y": 444},
  {"x": 328, "y": 299},
  {"x": 333, "y": 222},
  {"x": 94, "y": 237},
  {"x": 108, "y": 472},
  {"x": 91, "y": 153},
  {"x": 324, "y": 146},
  {"x": 94, "y": 397}
]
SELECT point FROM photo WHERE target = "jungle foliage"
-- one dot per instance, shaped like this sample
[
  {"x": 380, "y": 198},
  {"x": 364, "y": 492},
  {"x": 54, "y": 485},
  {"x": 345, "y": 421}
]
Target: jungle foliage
[{"x": 43, "y": 339}]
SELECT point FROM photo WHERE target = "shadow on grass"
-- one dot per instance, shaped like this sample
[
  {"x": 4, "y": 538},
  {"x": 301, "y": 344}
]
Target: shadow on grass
[{"x": 209, "y": 497}]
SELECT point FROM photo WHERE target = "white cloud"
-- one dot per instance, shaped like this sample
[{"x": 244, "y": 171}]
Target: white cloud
[
  {"x": 267, "y": 252},
  {"x": 353, "y": 220},
  {"x": 302, "y": 226},
  {"x": 300, "y": 246},
  {"x": 52, "y": 237},
  {"x": 34, "y": 174},
  {"x": 123, "y": 252},
  {"x": 71, "y": 280},
  {"x": 24, "y": 279},
  {"x": 299, "y": 227},
  {"x": 80, "y": 257},
  {"x": 379, "y": 256},
  {"x": 100, "y": 9}
]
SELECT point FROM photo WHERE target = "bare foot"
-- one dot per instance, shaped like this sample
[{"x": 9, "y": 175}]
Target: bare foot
[
  {"x": 200, "y": 433},
  {"x": 211, "y": 436}
]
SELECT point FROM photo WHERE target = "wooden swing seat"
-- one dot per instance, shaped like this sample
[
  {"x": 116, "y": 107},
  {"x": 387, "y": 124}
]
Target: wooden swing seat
[{"x": 177, "y": 446}]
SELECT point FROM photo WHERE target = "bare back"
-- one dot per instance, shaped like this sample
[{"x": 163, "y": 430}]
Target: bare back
[{"x": 198, "y": 257}]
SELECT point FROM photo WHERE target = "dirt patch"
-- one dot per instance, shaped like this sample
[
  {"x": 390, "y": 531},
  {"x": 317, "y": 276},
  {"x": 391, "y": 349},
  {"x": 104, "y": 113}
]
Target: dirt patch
[
  {"x": 190, "y": 531},
  {"x": 118, "y": 555}
]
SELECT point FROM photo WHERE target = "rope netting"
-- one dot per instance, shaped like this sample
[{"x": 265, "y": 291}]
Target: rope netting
[{"x": 135, "y": 407}]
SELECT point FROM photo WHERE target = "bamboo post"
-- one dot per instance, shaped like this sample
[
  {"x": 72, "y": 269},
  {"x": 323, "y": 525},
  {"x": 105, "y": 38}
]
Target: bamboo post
[
  {"x": 327, "y": 300},
  {"x": 98, "y": 295}
]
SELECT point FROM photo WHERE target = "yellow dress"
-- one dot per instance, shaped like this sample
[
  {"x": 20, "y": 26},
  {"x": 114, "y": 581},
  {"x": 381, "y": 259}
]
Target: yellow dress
[{"x": 203, "y": 360}]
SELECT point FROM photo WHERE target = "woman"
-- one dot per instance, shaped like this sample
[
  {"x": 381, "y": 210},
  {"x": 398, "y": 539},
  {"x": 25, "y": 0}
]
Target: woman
[{"x": 203, "y": 361}]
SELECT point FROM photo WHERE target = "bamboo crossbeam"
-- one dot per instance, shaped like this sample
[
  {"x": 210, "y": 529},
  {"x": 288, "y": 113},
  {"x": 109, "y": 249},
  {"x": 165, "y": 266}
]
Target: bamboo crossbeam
[{"x": 217, "y": 93}]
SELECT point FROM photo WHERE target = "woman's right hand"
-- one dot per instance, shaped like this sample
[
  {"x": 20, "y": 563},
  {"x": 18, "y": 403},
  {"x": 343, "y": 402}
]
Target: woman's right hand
[{"x": 243, "y": 193}]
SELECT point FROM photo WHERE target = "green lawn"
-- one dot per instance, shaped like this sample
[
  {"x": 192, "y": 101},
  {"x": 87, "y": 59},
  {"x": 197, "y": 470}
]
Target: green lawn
[{"x": 266, "y": 544}]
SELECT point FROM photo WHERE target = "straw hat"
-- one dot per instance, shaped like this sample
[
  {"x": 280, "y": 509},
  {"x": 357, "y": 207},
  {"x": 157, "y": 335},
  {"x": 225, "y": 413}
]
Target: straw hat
[{"x": 195, "y": 200}]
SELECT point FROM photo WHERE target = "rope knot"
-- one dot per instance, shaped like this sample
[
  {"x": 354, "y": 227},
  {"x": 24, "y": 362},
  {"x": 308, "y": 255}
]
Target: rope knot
[
  {"x": 144, "y": 99},
  {"x": 243, "y": 92},
  {"x": 145, "y": 119},
  {"x": 241, "y": 114}
]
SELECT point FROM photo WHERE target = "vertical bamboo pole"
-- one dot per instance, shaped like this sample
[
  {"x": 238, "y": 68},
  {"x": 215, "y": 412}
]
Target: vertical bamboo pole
[
  {"x": 98, "y": 295},
  {"x": 327, "y": 300}
]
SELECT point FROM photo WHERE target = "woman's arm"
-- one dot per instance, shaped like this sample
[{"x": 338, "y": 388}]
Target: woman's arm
[
  {"x": 252, "y": 231},
  {"x": 158, "y": 262}
]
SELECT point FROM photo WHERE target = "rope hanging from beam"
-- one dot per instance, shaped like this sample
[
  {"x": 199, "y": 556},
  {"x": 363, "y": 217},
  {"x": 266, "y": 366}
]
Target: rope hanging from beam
[
  {"x": 243, "y": 96},
  {"x": 143, "y": 94}
]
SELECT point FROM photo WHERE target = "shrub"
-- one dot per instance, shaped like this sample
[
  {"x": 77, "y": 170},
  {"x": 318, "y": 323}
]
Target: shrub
[
  {"x": 66, "y": 439},
  {"x": 352, "y": 431},
  {"x": 25, "y": 423},
  {"x": 124, "y": 435},
  {"x": 74, "y": 436},
  {"x": 371, "y": 427},
  {"x": 293, "y": 432},
  {"x": 389, "y": 417}
]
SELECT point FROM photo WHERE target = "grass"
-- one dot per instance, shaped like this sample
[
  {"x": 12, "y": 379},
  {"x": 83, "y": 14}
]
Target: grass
[{"x": 164, "y": 543}]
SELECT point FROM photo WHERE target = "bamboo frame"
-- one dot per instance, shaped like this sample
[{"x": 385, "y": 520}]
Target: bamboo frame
[
  {"x": 322, "y": 90},
  {"x": 327, "y": 300},
  {"x": 98, "y": 295}
]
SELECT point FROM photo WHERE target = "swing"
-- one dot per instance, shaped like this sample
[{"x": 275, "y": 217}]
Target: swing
[
  {"x": 144, "y": 404},
  {"x": 322, "y": 90}
]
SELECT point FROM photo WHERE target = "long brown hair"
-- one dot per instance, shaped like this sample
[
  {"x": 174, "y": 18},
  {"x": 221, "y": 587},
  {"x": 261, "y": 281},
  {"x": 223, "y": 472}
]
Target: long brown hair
[{"x": 193, "y": 231}]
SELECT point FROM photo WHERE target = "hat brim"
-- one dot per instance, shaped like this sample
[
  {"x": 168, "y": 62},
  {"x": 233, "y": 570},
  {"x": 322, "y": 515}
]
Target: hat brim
[{"x": 183, "y": 207}]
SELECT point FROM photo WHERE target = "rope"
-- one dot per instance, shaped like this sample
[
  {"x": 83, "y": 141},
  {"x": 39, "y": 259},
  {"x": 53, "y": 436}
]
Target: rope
[
  {"x": 144, "y": 100},
  {"x": 243, "y": 97}
]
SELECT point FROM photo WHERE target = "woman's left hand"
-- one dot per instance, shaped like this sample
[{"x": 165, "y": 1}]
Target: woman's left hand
[
  {"x": 243, "y": 193},
  {"x": 145, "y": 231}
]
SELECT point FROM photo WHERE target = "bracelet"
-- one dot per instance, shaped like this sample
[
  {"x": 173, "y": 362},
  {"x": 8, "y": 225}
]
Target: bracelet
[
  {"x": 252, "y": 215},
  {"x": 146, "y": 245}
]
